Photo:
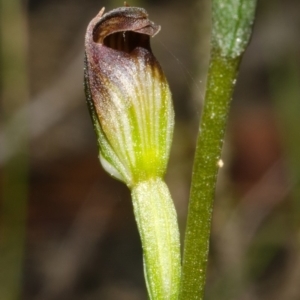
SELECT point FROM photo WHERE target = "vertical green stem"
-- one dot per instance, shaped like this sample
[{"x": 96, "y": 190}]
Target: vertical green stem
[
  {"x": 231, "y": 30},
  {"x": 221, "y": 80},
  {"x": 157, "y": 223},
  {"x": 14, "y": 94}
]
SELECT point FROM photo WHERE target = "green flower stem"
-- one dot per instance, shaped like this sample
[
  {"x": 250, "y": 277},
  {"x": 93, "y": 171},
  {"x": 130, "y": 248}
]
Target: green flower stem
[
  {"x": 157, "y": 223},
  {"x": 231, "y": 30},
  {"x": 221, "y": 81}
]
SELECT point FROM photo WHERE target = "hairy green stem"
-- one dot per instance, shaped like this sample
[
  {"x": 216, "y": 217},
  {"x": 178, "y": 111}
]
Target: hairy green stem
[
  {"x": 157, "y": 223},
  {"x": 231, "y": 30},
  {"x": 221, "y": 81}
]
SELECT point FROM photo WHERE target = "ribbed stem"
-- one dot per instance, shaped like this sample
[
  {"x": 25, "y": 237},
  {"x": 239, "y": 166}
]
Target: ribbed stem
[{"x": 157, "y": 224}]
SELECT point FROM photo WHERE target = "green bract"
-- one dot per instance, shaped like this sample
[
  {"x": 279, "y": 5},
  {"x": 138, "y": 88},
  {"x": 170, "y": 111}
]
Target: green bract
[
  {"x": 128, "y": 95},
  {"x": 232, "y": 26}
]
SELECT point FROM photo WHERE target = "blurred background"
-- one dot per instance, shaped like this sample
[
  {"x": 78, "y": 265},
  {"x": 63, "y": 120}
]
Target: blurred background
[{"x": 67, "y": 229}]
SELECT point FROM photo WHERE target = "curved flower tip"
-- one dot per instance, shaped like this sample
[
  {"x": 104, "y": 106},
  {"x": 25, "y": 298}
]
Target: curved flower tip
[{"x": 128, "y": 95}]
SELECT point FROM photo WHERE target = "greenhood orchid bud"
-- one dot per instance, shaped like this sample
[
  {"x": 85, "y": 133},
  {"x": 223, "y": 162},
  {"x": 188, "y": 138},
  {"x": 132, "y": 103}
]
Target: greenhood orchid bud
[
  {"x": 128, "y": 95},
  {"x": 131, "y": 108}
]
